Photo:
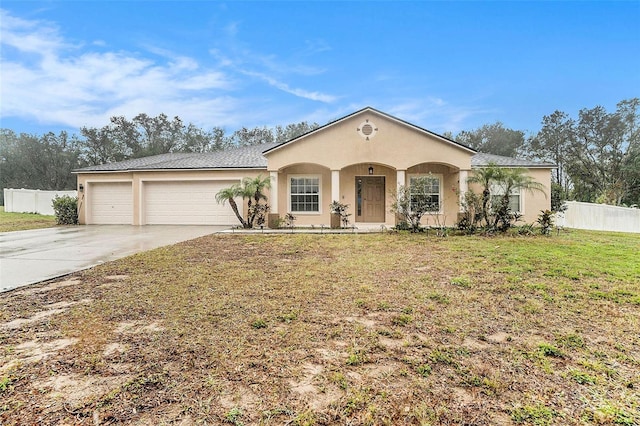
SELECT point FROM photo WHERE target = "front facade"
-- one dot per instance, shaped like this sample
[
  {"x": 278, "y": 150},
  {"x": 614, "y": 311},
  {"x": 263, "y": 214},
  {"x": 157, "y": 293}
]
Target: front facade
[{"x": 359, "y": 160}]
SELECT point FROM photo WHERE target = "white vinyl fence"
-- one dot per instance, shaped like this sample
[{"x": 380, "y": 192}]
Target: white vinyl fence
[
  {"x": 32, "y": 200},
  {"x": 600, "y": 217}
]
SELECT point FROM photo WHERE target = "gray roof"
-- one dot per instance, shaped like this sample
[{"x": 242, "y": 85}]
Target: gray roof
[
  {"x": 249, "y": 157},
  {"x": 482, "y": 159}
]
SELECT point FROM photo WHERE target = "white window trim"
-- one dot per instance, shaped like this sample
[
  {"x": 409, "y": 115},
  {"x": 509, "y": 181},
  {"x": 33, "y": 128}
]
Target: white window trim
[
  {"x": 308, "y": 176},
  {"x": 519, "y": 193},
  {"x": 440, "y": 177}
]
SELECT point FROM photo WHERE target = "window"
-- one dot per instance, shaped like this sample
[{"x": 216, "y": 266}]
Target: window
[
  {"x": 425, "y": 192},
  {"x": 305, "y": 194},
  {"x": 497, "y": 192}
]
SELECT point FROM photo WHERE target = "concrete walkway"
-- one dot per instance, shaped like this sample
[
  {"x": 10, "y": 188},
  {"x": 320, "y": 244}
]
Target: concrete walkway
[{"x": 28, "y": 257}]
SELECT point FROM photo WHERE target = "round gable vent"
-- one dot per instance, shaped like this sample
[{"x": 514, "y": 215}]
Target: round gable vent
[{"x": 367, "y": 129}]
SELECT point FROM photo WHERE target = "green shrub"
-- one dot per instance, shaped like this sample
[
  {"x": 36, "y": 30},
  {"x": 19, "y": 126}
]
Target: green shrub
[
  {"x": 66, "y": 210},
  {"x": 545, "y": 220}
]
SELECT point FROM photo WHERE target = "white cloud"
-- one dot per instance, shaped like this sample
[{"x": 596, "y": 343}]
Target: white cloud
[
  {"x": 29, "y": 36},
  {"x": 271, "y": 68},
  {"x": 49, "y": 79},
  {"x": 314, "y": 96},
  {"x": 435, "y": 114}
]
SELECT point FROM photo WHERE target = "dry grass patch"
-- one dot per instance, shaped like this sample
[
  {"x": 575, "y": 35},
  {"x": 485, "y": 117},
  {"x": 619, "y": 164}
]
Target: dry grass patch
[{"x": 324, "y": 329}]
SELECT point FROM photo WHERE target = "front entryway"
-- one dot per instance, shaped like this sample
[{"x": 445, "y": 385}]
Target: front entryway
[{"x": 370, "y": 200}]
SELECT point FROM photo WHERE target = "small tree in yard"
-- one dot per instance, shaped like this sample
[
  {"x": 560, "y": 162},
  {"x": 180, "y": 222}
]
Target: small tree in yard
[
  {"x": 66, "y": 210},
  {"x": 498, "y": 216},
  {"x": 512, "y": 180},
  {"x": 410, "y": 203},
  {"x": 471, "y": 212},
  {"x": 251, "y": 190},
  {"x": 485, "y": 177}
]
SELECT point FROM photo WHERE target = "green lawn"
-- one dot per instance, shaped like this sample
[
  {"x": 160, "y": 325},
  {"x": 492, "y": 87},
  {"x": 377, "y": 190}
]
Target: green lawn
[
  {"x": 334, "y": 329},
  {"x": 23, "y": 221}
]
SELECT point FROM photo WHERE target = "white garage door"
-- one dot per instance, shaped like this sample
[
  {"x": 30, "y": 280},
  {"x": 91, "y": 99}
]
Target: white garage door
[
  {"x": 110, "y": 203},
  {"x": 187, "y": 203}
]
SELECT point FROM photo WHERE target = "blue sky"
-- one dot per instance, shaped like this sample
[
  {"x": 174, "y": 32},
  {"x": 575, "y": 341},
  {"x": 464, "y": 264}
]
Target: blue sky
[{"x": 445, "y": 66}]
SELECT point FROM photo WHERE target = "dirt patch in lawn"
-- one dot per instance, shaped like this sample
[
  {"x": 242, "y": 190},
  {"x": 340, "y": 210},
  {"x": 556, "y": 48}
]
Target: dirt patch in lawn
[
  {"x": 333, "y": 329},
  {"x": 46, "y": 312}
]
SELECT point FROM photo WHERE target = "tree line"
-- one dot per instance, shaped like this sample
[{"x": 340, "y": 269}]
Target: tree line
[
  {"x": 46, "y": 161},
  {"x": 597, "y": 152}
]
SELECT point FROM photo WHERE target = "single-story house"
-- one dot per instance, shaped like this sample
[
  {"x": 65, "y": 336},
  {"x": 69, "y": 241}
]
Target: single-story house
[{"x": 359, "y": 160}]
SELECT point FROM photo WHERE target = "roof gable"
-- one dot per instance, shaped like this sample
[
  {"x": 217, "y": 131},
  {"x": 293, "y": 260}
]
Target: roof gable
[{"x": 374, "y": 112}]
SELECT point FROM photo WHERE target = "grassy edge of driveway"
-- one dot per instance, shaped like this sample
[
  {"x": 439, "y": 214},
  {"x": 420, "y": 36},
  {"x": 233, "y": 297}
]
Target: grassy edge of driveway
[{"x": 10, "y": 222}]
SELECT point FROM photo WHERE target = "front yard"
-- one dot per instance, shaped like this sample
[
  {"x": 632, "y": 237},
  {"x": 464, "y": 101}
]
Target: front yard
[{"x": 334, "y": 329}]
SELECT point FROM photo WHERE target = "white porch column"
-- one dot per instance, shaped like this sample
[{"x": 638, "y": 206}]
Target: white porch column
[
  {"x": 400, "y": 178},
  {"x": 335, "y": 185},
  {"x": 274, "y": 191},
  {"x": 463, "y": 175}
]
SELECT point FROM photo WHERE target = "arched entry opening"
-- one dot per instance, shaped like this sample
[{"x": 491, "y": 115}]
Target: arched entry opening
[{"x": 365, "y": 187}]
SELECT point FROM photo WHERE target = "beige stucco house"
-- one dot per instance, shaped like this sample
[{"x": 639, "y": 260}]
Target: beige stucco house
[{"x": 359, "y": 160}]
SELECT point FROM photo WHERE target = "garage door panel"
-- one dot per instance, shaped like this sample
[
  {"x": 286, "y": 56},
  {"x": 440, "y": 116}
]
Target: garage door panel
[
  {"x": 110, "y": 203},
  {"x": 186, "y": 202}
]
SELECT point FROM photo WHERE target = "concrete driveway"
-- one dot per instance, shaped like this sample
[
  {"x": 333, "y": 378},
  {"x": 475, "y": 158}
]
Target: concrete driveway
[{"x": 28, "y": 257}]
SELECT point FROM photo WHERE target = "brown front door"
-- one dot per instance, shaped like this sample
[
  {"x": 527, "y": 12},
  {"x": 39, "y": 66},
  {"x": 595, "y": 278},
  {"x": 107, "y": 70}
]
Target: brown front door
[{"x": 370, "y": 193}]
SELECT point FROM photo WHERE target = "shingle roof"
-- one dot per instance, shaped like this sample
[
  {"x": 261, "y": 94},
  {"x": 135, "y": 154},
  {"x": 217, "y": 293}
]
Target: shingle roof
[
  {"x": 482, "y": 159},
  {"x": 249, "y": 157}
]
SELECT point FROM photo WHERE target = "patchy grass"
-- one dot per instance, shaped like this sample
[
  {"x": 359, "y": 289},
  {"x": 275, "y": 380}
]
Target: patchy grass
[
  {"x": 23, "y": 221},
  {"x": 324, "y": 329}
]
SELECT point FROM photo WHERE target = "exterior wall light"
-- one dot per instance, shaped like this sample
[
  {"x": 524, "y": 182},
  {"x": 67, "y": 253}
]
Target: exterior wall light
[{"x": 370, "y": 170}]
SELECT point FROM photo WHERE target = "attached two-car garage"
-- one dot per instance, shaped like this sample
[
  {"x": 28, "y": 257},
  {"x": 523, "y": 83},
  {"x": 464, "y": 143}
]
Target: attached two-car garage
[
  {"x": 185, "y": 203},
  {"x": 160, "y": 202}
]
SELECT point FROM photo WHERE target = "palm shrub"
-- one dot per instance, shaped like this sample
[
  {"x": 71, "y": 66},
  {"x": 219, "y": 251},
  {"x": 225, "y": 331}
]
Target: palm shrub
[
  {"x": 229, "y": 195},
  {"x": 486, "y": 177},
  {"x": 512, "y": 180},
  {"x": 251, "y": 189},
  {"x": 499, "y": 217}
]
